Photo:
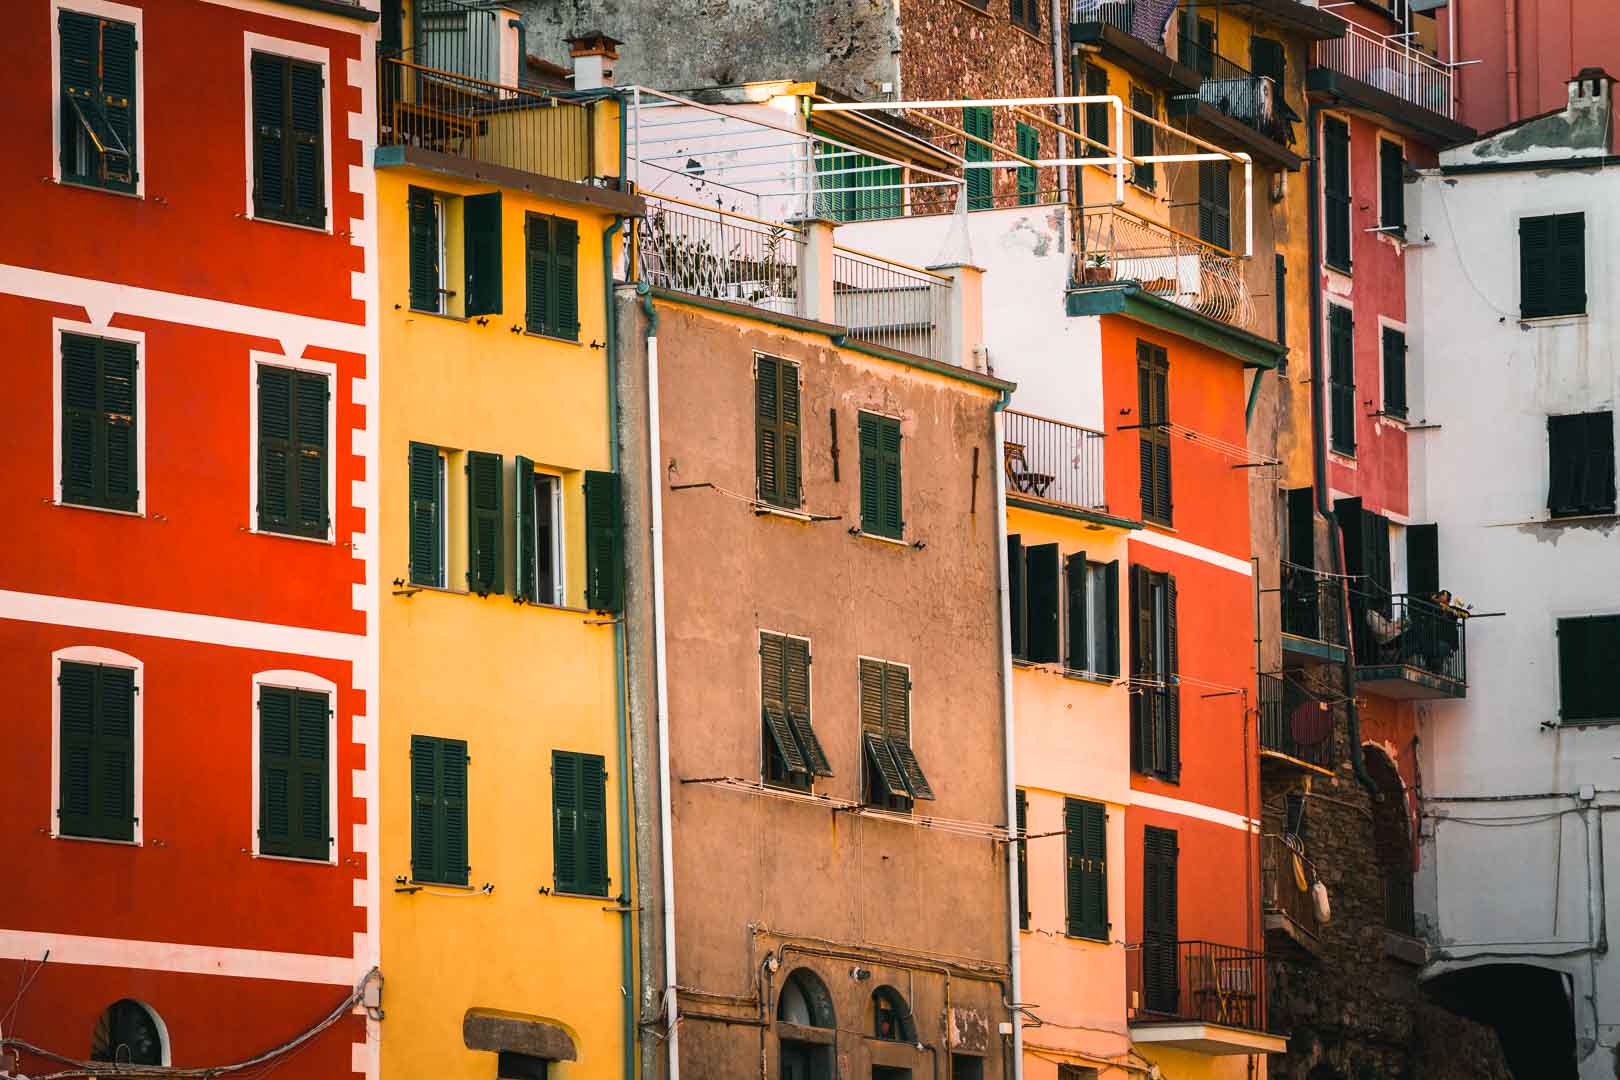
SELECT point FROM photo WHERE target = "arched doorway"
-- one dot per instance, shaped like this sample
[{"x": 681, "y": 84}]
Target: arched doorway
[
  {"x": 806, "y": 1027},
  {"x": 1530, "y": 1007},
  {"x": 1392, "y": 841}
]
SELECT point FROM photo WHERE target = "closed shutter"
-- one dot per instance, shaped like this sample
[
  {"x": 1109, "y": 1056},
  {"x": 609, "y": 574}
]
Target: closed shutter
[
  {"x": 307, "y": 144},
  {"x": 1581, "y": 464},
  {"x": 294, "y": 796},
  {"x": 1142, "y": 669},
  {"x": 1215, "y": 203},
  {"x": 880, "y": 476},
  {"x": 1341, "y": 380},
  {"x": 1392, "y": 186},
  {"x": 439, "y": 810},
  {"x": 1153, "y": 417},
  {"x": 310, "y": 403},
  {"x": 481, "y": 225},
  {"x": 540, "y": 276},
  {"x": 1110, "y": 650},
  {"x": 293, "y": 452},
  {"x": 1099, "y": 115},
  {"x": 1043, "y": 585},
  {"x": 565, "y": 260},
  {"x": 1280, "y": 288},
  {"x": 99, "y": 438},
  {"x": 424, "y": 251},
  {"x": 773, "y": 698},
  {"x": 1172, "y": 691},
  {"x": 1423, "y": 559},
  {"x": 523, "y": 550},
  {"x": 97, "y": 751},
  {"x": 796, "y": 695},
  {"x": 1394, "y": 372},
  {"x": 289, "y": 153},
  {"x": 1569, "y": 264},
  {"x": 1143, "y": 102},
  {"x": 269, "y": 135},
  {"x": 604, "y": 542},
  {"x": 579, "y": 816},
  {"x": 1074, "y": 577},
  {"x": 1160, "y": 920},
  {"x": 978, "y": 122},
  {"x": 1336, "y": 192},
  {"x": 97, "y": 60},
  {"x": 897, "y": 727},
  {"x": 1029, "y": 147},
  {"x": 1022, "y": 811},
  {"x": 1588, "y": 677},
  {"x": 776, "y": 430},
  {"x": 1269, "y": 60},
  {"x": 1203, "y": 51},
  {"x": 485, "y": 521},
  {"x": 1017, "y": 596},
  {"x": 426, "y": 514},
  {"x": 1086, "y": 875}
]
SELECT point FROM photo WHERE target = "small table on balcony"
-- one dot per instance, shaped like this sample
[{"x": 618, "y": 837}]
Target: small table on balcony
[{"x": 1019, "y": 476}]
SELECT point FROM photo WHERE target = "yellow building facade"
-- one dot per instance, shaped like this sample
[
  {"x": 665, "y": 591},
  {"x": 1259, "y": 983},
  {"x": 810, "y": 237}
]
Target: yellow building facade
[{"x": 505, "y": 849}]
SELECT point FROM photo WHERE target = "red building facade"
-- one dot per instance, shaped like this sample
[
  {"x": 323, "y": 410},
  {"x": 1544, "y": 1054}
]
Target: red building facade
[{"x": 186, "y": 610}]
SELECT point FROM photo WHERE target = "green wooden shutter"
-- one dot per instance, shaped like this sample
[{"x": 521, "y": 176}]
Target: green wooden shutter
[
  {"x": 897, "y": 724},
  {"x": 269, "y": 135},
  {"x": 306, "y": 145},
  {"x": 1160, "y": 921},
  {"x": 294, "y": 795},
  {"x": 275, "y": 449},
  {"x": 1099, "y": 116},
  {"x": 1552, "y": 265},
  {"x": 773, "y": 699},
  {"x": 1394, "y": 372},
  {"x": 1164, "y": 506},
  {"x": 1172, "y": 693},
  {"x": 1017, "y": 596},
  {"x": 593, "y": 821},
  {"x": 1074, "y": 577},
  {"x": 485, "y": 525},
  {"x": 1588, "y": 682},
  {"x": 1341, "y": 380},
  {"x": 884, "y": 775},
  {"x": 1146, "y": 431},
  {"x": 1111, "y": 625},
  {"x": 978, "y": 121},
  {"x": 452, "y": 798},
  {"x": 439, "y": 810},
  {"x": 539, "y": 274},
  {"x": 789, "y": 487},
  {"x": 424, "y": 251},
  {"x": 1392, "y": 186},
  {"x": 97, "y": 60},
  {"x": 1142, "y": 137},
  {"x": 81, "y": 417},
  {"x": 275, "y": 770},
  {"x": 1086, "y": 871},
  {"x": 796, "y": 692},
  {"x": 565, "y": 262},
  {"x": 481, "y": 228},
  {"x": 426, "y": 514},
  {"x": 1043, "y": 585},
  {"x": 523, "y": 500},
  {"x": 880, "y": 476},
  {"x": 1423, "y": 559},
  {"x": 1599, "y": 493},
  {"x": 1215, "y": 203},
  {"x": 118, "y": 423},
  {"x": 579, "y": 816},
  {"x": 1570, "y": 264},
  {"x": 768, "y": 428},
  {"x": 1336, "y": 192},
  {"x": 311, "y": 399},
  {"x": 312, "y": 836},
  {"x": 604, "y": 542},
  {"x": 97, "y": 751},
  {"x": 99, "y": 444},
  {"x": 1023, "y": 860},
  {"x": 1142, "y": 668},
  {"x": 118, "y": 99},
  {"x": 1029, "y": 146},
  {"x": 1280, "y": 297}
]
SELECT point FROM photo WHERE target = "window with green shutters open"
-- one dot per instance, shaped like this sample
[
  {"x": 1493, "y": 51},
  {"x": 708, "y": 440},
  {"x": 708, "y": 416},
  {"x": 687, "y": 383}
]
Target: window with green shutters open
[
  {"x": 289, "y": 143},
  {"x": 891, "y": 776},
  {"x": 439, "y": 810},
  {"x": 96, "y": 797},
  {"x": 295, "y": 744},
  {"x": 539, "y": 535},
  {"x": 1142, "y": 137},
  {"x": 1155, "y": 676},
  {"x": 1153, "y": 432},
  {"x": 1588, "y": 676},
  {"x": 1022, "y": 818},
  {"x": 1085, "y": 832},
  {"x": 1391, "y": 187},
  {"x": 1394, "y": 372},
  {"x": 455, "y": 233},
  {"x": 1552, "y": 265},
  {"x": 293, "y": 470},
  {"x": 551, "y": 276},
  {"x": 579, "y": 823},
  {"x": 979, "y": 122},
  {"x": 1070, "y": 617},
  {"x": 1581, "y": 464},
  {"x": 1336, "y": 193},
  {"x": 100, "y": 431},
  {"x": 1341, "y": 381},
  {"x": 880, "y": 476},
  {"x": 97, "y": 61},
  {"x": 776, "y": 432},
  {"x": 1029, "y": 147},
  {"x": 792, "y": 754}
]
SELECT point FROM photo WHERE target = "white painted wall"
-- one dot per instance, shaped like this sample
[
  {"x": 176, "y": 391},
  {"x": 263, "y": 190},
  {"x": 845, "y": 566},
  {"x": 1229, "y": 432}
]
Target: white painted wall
[{"x": 1523, "y": 877}]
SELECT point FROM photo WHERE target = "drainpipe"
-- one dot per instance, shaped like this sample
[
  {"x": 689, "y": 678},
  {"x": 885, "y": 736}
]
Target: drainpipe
[
  {"x": 1254, "y": 396},
  {"x": 655, "y": 455},
  {"x": 1512, "y": 12},
  {"x": 1319, "y": 446},
  {"x": 1058, "y": 66},
  {"x": 1015, "y": 949}
]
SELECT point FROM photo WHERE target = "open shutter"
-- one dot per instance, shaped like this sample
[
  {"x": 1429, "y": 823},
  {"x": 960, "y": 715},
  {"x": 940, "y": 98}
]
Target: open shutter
[
  {"x": 1145, "y": 432},
  {"x": 1599, "y": 496},
  {"x": 796, "y": 684},
  {"x": 427, "y": 849},
  {"x": 310, "y": 403},
  {"x": 523, "y": 548},
  {"x": 593, "y": 824},
  {"x": 426, "y": 514},
  {"x": 275, "y": 770},
  {"x": 897, "y": 723},
  {"x": 269, "y": 135},
  {"x": 1336, "y": 191},
  {"x": 884, "y": 772},
  {"x": 1570, "y": 264},
  {"x": 307, "y": 144},
  {"x": 1110, "y": 625},
  {"x": 481, "y": 226},
  {"x": 79, "y": 41},
  {"x": 1341, "y": 379},
  {"x": 539, "y": 275},
  {"x": 1043, "y": 561},
  {"x": 788, "y": 460},
  {"x": 1164, "y": 505},
  {"x": 1017, "y": 596},
  {"x": 604, "y": 542},
  {"x": 977, "y": 121},
  {"x": 1394, "y": 372},
  {"x": 565, "y": 262},
  {"x": 424, "y": 251},
  {"x": 1392, "y": 186},
  {"x": 118, "y": 101},
  {"x": 1215, "y": 203},
  {"x": 1423, "y": 559},
  {"x": 768, "y": 428},
  {"x": 1099, "y": 117},
  {"x": 1172, "y": 692},
  {"x": 1074, "y": 576},
  {"x": 275, "y": 448},
  {"x": 889, "y": 445},
  {"x": 773, "y": 698},
  {"x": 484, "y": 523},
  {"x": 1022, "y": 818},
  {"x": 1142, "y": 135}
]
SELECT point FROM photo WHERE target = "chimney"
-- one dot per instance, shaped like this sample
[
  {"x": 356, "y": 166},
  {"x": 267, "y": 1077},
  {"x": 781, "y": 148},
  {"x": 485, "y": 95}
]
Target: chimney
[
  {"x": 1589, "y": 89},
  {"x": 594, "y": 53}
]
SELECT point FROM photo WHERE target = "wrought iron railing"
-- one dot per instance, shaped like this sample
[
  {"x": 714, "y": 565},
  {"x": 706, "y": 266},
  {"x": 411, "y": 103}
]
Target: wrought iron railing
[
  {"x": 1409, "y": 631},
  {"x": 1255, "y": 100},
  {"x": 1169, "y": 980},
  {"x": 1116, "y": 245},
  {"x": 1395, "y": 68},
  {"x": 1295, "y": 723},
  {"x": 709, "y": 252},
  {"x": 1142, "y": 21},
  {"x": 1283, "y": 867},
  {"x": 1400, "y": 906},
  {"x": 1054, "y": 461},
  {"x": 1312, "y": 605},
  {"x": 891, "y": 305}
]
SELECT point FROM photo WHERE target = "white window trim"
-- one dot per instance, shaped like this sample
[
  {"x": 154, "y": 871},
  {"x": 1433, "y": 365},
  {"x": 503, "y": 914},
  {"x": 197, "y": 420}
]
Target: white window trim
[
  {"x": 94, "y": 654},
  {"x": 559, "y": 535},
  {"x": 759, "y": 689},
  {"x": 441, "y": 487},
  {"x": 319, "y": 367},
  {"x": 298, "y": 680},
  {"x": 296, "y": 50},
  {"x": 104, "y": 9},
  {"x": 138, "y": 339}
]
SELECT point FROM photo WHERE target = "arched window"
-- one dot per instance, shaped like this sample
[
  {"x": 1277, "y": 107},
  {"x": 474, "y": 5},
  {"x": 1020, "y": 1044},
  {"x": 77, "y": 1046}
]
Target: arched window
[
  {"x": 891, "y": 1017},
  {"x": 1392, "y": 841},
  {"x": 804, "y": 1001},
  {"x": 807, "y": 1053},
  {"x": 129, "y": 1033}
]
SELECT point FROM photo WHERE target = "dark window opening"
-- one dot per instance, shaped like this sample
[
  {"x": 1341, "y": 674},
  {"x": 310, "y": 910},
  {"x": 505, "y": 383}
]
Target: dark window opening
[
  {"x": 1155, "y": 691},
  {"x": 1552, "y": 265},
  {"x": 128, "y": 1033},
  {"x": 1581, "y": 464},
  {"x": 98, "y": 75},
  {"x": 1142, "y": 136},
  {"x": 1394, "y": 372},
  {"x": 1341, "y": 381},
  {"x": 1589, "y": 669},
  {"x": 1392, "y": 187},
  {"x": 1153, "y": 432}
]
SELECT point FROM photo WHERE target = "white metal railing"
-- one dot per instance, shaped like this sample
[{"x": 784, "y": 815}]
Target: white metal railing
[
  {"x": 1055, "y": 461},
  {"x": 891, "y": 305},
  {"x": 1395, "y": 68},
  {"x": 1116, "y": 245},
  {"x": 709, "y": 252}
]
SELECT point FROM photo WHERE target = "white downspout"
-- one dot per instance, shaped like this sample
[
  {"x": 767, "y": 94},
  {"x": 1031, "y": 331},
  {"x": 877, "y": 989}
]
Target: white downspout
[
  {"x": 661, "y": 679},
  {"x": 1059, "y": 69},
  {"x": 998, "y": 471}
]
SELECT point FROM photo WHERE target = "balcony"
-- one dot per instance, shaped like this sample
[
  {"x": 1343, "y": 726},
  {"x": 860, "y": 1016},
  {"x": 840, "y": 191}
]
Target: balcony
[
  {"x": 703, "y": 251},
  {"x": 1396, "y": 69},
  {"x": 1256, "y": 101},
  {"x": 1290, "y": 914},
  {"x": 1198, "y": 996},
  {"x": 1050, "y": 462},
  {"x": 1408, "y": 647},
  {"x": 1312, "y": 614},
  {"x": 1115, "y": 245},
  {"x": 1131, "y": 35},
  {"x": 1295, "y": 727}
]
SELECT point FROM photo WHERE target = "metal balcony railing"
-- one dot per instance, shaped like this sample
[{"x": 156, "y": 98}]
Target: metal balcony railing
[
  {"x": 708, "y": 252},
  {"x": 1389, "y": 65},
  {"x": 1400, "y": 906},
  {"x": 1255, "y": 100},
  {"x": 1141, "y": 21},
  {"x": 1116, "y": 245},
  {"x": 1409, "y": 631},
  {"x": 454, "y": 90},
  {"x": 1283, "y": 866},
  {"x": 1294, "y": 723},
  {"x": 1054, "y": 462},
  {"x": 1312, "y": 605},
  {"x": 1168, "y": 980},
  {"x": 890, "y": 304}
]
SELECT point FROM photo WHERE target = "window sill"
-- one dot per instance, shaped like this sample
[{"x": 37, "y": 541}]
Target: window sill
[
  {"x": 1087, "y": 939},
  {"x": 1161, "y": 526},
  {"x": 598, "y": 897},
  {"x": 1342, "y": 457},
  {"x": 99, "y": 509},
  {"x": 325, "y": 230},
  {"x": 415, "y": 883},
  {"x": 894, "y": 541},
  {"x": 763, "y": 509},
  {"x": 553, "y": 337},
  {"x": 1554, "y": 320},
  {"x": 1090, "y": 677},
  {"x": 462, "y": 319},
  {"x": 329, "y": 861},
  {"x": 328, "y": 539},
  {"x": 96, "y": 840},
  {"x": 1027, "y": 32},
  {"x": 1344, "y": 271},
  {"x": 1595, "y": 725},
  {"x": 137, "y": 194},
  {"x": 975, "y": 8}
]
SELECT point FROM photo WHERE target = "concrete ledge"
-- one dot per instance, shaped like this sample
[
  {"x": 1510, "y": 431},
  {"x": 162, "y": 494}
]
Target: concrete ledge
[
  {"x": 1408, "y": 950},
  {"x": 1205, "y": 1038},
  {"x": 515, "y": 1033}
]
